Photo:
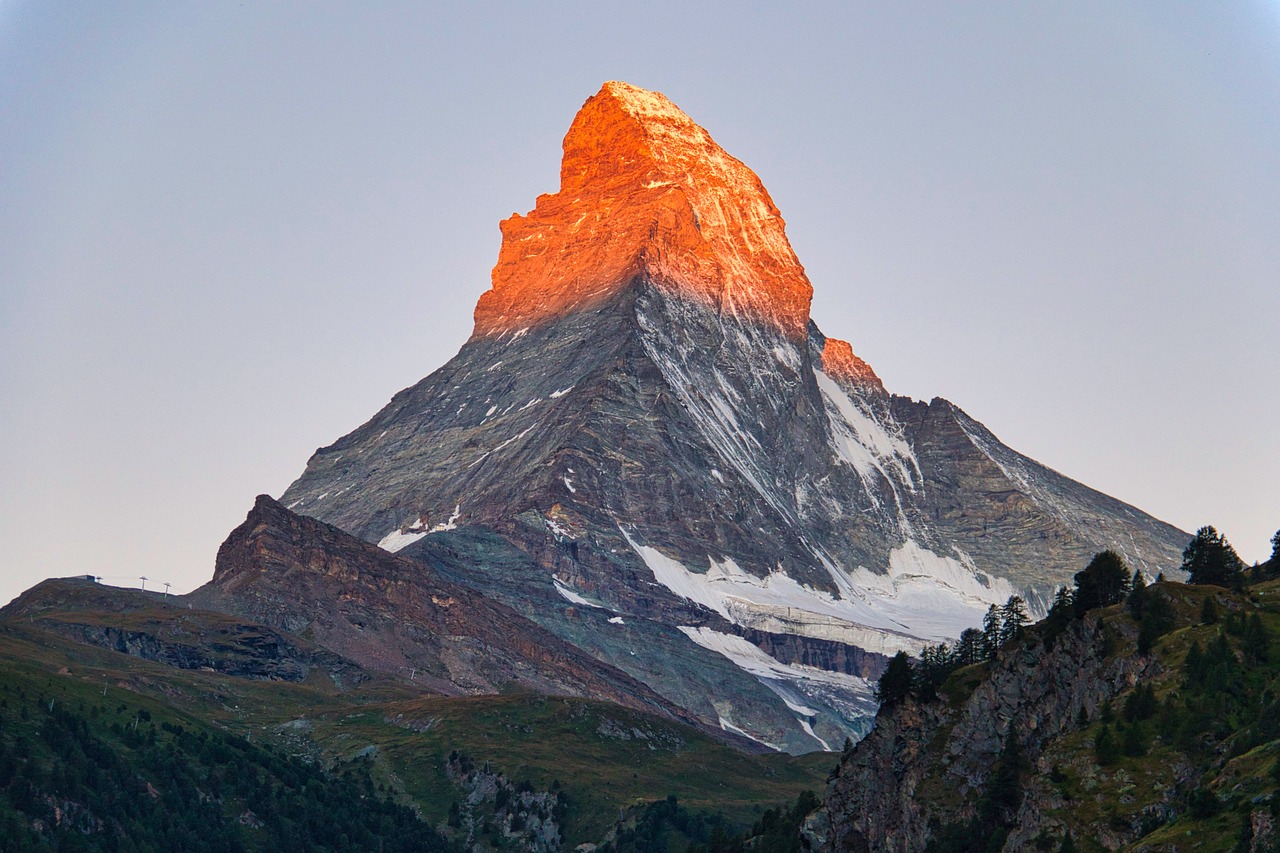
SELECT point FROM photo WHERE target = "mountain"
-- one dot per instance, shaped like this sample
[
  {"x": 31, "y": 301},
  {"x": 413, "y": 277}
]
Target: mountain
[
  {"x": 649, "y": 448},
  {"x": 1082, "y": 731}
]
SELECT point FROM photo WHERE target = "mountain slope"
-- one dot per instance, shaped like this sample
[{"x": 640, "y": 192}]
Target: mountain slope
[
  {"x": 180, "y": 755},
  {"x": 1170, "y": 749},
  {"x": 395, "y": 616},
  {"x": 646, "y": 412}
]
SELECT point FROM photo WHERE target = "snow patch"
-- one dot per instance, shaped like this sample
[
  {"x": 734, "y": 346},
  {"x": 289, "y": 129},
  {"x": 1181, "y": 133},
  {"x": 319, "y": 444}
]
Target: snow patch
[
  {"x": 616, "y": 620},
  {"x": 557, "y": 394},
  {"x": 396, "y": 540},
  {"x": 924, "y": 597},
  {"x": 808, "y": 729},
  {"x": 863, "y": 441},
  {"x": 451, "y": 524},
  {"x": 730, "y": 727},
  {"x": 573, "y": 597}
]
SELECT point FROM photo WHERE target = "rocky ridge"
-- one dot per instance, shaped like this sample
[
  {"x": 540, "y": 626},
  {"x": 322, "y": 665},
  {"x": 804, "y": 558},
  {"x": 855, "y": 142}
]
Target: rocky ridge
[
  {"x": 926, "y": 762},
  {"x": 398, "y": 617}
]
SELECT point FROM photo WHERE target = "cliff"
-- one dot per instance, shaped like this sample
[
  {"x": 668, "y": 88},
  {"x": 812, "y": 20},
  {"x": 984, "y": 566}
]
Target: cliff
[{"x": 1114, "y": 747}]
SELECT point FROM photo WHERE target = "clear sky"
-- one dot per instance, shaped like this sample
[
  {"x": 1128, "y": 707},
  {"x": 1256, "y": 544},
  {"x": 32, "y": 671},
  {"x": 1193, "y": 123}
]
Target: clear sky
[{"x": 230, "y": 232}]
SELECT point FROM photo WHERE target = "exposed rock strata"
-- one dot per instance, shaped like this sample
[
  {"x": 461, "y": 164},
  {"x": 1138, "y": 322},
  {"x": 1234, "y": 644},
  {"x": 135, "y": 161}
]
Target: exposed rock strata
[
  {"x": 923, "y": 763},
  {"x": 399, "y": 617}
]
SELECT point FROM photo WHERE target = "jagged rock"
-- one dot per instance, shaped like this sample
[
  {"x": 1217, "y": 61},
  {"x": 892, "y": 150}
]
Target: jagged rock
[
  {"x": 399, "y": 617},
  {"x": 923, "y": 761}
]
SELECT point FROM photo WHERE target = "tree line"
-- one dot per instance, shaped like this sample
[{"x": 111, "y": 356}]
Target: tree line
[{"x": 1107, "y": 580}]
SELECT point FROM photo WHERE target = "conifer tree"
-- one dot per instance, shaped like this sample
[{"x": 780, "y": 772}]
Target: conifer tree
[
  {"x": 1209, "y": 611},
  {"x": 1193, "y": 669},
  {"x": 991, "y": 631},
  {"x": 969, "y": 648},
  {"x": 1105, "y": 747},
  {"x": 895, "y": 683},
  {"x": 1013, "y": 618},
  {"x": 1137, "y": 600},
  {"x": 1255, "y": 642},
  {"x": 1210, "y": 559},
  {"x": 1105, "y": 581}
]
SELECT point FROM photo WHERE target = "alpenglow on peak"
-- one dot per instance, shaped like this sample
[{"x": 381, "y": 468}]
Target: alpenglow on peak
[{"x": 645, "y": 191}]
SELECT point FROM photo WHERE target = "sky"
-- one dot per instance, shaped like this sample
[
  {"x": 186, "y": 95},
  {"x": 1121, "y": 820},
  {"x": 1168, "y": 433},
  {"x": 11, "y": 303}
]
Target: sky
[{"x": 230, "y": 232}]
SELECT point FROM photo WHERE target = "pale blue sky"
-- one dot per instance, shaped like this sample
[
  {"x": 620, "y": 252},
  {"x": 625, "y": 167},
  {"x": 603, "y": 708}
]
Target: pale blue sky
[{"x": 229, "y": 233}]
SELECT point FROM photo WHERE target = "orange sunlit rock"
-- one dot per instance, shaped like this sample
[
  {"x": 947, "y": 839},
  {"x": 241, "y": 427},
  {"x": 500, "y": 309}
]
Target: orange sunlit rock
[
  {"x": 643, "y": 189},
  {"x": 839, "y": 362}
]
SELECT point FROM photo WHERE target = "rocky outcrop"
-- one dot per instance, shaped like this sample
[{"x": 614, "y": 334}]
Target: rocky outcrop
[
  {"x": 163, "y": 630},
  {"x": 839, "y": 362},
  {"x": 399, "y": 617},
  {"x": 925, "y": 763},
  {"x": 818, "y": 653}
]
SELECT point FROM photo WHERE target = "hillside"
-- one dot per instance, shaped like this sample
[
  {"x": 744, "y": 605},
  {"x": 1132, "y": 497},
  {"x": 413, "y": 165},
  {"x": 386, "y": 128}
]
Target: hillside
[
  {"x": 1075, "y": 739},
  {"x": 98, "y": 745}
]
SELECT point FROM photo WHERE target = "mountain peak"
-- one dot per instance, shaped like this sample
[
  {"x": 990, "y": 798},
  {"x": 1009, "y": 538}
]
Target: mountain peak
[{"x": 644, "y": 190}]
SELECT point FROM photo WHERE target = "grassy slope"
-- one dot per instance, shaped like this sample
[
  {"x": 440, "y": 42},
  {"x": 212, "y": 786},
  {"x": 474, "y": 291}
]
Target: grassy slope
[{"x": 590, "y": 747}]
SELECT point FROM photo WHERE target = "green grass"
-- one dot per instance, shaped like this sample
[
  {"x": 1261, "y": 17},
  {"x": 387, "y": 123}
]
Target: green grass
[{"x": 590, "y": 748}]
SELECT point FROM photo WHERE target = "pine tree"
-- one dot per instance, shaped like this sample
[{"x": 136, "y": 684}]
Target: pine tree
[
  {"x": 1013, "y": 618},
  {"x": 1004, "y": 787},
  {"x": 1137, "y": 600},
  {"x": 1255, "y": 641},
  {"x": 969, "y": 648},
  {"x": 1105, "y": 747},
  {"x": 1210, "y": 559},
  {"x": 1141, "y": 704},
  {"x": 1135, "y": 743},
  {"x": 1193, "y": 669},
  {"x": 1060, "y": 614},
  {"x": 991, "y": 631},
  {"x": 1105, "y": 581},
  {"x": 895, "y": 683},
  {"x": 1209, "y": 611}
]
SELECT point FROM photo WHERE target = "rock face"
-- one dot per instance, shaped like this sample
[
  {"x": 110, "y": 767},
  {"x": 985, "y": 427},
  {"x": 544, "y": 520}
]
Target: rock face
[
  {"x": 398, "y": 617},
  {"x": 647, "y": 415},
  {"x": 925, "y": 762}
]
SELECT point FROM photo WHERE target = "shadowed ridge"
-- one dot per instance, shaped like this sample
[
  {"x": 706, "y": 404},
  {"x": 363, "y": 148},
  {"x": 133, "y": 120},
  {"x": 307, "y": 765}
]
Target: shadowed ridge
[{"x": 398, "y": 616}]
